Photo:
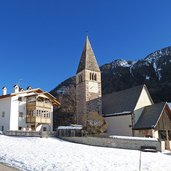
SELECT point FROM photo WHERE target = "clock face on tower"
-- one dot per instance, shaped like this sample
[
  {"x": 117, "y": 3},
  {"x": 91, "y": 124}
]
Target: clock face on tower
[{"x": 93, "y": 87}]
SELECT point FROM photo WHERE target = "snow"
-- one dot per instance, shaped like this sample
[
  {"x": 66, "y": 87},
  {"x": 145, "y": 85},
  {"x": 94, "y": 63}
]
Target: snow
[
  {"x": 71, "y": 127},
  {"x": 120, "y": 62},
  {"x": 169, "y": 105},
  {"x": 133, "y": 138},
  {"x": 120, "y": 113},
  {"x": 147, "y": 77},
  {"x": 52, "y": 154}
]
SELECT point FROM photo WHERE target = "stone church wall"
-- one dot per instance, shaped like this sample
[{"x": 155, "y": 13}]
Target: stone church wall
[{"x": 134, "y": 143}]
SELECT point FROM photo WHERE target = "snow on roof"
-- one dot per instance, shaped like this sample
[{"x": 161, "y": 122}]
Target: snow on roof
[
  {"x": 133, "y": 138},
  {"x": 70, "y": 127},
  {"x": 169, "y": 105},
  {"x": 119, "y": 113}
]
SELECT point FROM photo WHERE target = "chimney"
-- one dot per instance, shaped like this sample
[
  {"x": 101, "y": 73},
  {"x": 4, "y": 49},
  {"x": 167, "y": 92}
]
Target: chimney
[
  {"x": 29, "y": 88},
  {"x": 16, "y": 88},
  {"x": 4, "y": 91},
  {"x": 21, "y": 89}
]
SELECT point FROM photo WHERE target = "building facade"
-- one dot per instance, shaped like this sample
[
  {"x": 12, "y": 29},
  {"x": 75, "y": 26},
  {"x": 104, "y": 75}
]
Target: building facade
[
  {"x": 30, "y": 109},
  {"x": 129, "y": 112},
  {"x": 88, "y": 84}
]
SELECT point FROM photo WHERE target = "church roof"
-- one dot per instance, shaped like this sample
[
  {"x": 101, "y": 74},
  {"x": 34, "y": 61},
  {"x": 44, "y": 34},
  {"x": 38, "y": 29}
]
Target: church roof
[
  {"x": 88, "y": 59},
  {"x": 150, "y": 116},
  {"x": 121, "y": 101}
]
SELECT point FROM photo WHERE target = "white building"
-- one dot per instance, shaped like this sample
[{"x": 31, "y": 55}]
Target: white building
[{"x": 30, "y": 109}]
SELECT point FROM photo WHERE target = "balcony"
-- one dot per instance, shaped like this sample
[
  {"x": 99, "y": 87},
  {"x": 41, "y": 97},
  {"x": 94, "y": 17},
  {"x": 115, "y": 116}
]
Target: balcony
[
  {"x": 37, "y": 119},
  {"x": 35, "y": 104}
]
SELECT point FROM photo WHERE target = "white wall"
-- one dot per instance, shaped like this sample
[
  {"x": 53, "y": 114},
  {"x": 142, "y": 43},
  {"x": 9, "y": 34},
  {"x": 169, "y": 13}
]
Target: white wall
[
  {"x": 14, "y": 113},
  {"x": 144, "y": 100},
  {"x": 5, "y": 104},
  {"x": 169, "y": 105},
  {"x": 51, "y": 118},
  {"x": 22, "y": 108},
  {"x": 119, "y": 125}
]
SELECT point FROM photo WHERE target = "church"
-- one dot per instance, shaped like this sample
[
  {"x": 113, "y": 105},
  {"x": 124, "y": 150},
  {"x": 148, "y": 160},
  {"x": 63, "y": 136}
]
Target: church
[{"x": 129, "y": 112}]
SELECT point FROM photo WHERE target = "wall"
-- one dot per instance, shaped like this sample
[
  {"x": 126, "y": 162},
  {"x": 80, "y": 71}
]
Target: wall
[
  {"x": 23, "y": 133},
  {"x": 51, "y": 118},
  {"x": 119, "y": 125},
  {"x": 134, "y": 143},
  {"x": 22, "y": 108},
  {"x": 5, "y": 104},
  {"x": 145, "y": 133},
  {"x": 80, "y": 97},
  {"x": 14, "y": 113},
  {"x": 144, "y": 100}
]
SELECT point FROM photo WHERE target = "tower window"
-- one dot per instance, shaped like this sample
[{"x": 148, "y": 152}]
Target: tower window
[
  {"x": 80, "y": 78},
  {"x": 21, "y": 115},
  {"x": 93, "y": 76}
]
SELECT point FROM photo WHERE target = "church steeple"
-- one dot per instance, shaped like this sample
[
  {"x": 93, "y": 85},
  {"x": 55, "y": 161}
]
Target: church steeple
[
  {"x": 88, "y": 59},
  {"x": 88, "y": 85}
]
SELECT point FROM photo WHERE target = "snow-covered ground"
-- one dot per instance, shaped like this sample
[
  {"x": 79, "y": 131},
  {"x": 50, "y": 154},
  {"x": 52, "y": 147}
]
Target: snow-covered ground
[{"x": 52, "y": 154}]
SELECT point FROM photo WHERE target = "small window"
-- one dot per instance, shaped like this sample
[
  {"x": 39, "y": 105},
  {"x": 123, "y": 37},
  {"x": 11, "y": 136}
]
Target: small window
[
  {"x": 93, "y": 76},
  {"x": 44, "y": 129},
  {"x": 2, "y": 128},
  {"x": 47, "y": 101},
  {"x": 90, "y": 77},
  {"x": 80, "y": 78},
  {"x": 19, "y": 99},
  {"x": 40, "y": 99},
  {"x": 20, "y": 128},
  {"x": 21, "y": 115},
  {"x": 3, "y": 114}
]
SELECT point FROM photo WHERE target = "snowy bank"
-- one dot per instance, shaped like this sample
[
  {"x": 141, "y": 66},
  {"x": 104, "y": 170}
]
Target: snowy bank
[{"x": 51, "y": 154}]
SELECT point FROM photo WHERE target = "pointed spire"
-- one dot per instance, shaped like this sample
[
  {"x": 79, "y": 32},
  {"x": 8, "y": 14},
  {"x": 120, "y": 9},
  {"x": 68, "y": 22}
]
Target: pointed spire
[{"x": 88, "y": 59}]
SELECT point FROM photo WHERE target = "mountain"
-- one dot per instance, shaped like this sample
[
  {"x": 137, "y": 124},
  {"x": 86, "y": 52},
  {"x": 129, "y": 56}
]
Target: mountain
[{"x": 154, "y": 71}]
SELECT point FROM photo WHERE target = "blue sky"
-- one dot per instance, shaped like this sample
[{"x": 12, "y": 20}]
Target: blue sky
[{"x": 41, "y": 41}]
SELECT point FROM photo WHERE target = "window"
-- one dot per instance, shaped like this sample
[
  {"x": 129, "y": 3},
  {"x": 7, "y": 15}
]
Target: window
[
  {"x": 93, "y": 76},
  {"x": 3, "y": 114},
  {"x": 80, "y": 78},
  {"x": 47, "y": 101},
  {"x": 44, "y": 129},
  {"x": 21, "y": 115},
  {"x": 2, "y": 128},
  {"x": 40, "y": 99},
  {"x": 19, "y": 99}
]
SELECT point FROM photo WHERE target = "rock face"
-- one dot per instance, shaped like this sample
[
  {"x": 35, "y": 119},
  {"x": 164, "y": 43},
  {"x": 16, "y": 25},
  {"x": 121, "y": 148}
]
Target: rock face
[
  {"x": 154, "y": 71},
  {"x": 65, "y": 93}
]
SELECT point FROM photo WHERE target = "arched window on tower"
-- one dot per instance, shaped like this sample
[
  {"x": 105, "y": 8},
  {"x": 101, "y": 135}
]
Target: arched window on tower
[
  {"x": 90, "y": 76},
  {"x": 93, "y": 76},
  {"x": 80, "y": 78}
]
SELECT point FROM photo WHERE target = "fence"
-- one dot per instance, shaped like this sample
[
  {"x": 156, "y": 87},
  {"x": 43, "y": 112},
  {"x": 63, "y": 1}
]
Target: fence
[{"x": 23, "y": 133}]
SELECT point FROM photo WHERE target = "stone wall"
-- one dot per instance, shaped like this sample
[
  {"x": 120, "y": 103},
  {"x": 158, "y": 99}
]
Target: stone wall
[
  {"x": 134, "y": 143},
  {"x": 24, "y": 133}
]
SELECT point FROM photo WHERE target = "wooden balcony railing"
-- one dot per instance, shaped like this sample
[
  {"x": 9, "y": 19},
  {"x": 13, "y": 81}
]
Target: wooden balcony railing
[
  {"x": 37, "y": 119},
  {"x": 39, "y": 104}
]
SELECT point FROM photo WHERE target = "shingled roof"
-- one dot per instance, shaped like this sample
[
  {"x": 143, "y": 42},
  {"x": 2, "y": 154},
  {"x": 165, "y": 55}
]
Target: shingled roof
[
  {"x": 121, "y": 101},
  {"x": 88, "y": 59},
  {"x": 150, "y": 116}
]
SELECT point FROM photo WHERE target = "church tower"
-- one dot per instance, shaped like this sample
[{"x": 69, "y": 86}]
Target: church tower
[{"x": 88, "y": 84}]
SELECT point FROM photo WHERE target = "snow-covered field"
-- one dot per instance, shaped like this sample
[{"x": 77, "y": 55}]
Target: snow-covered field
[{"x": 52, "y": 154}]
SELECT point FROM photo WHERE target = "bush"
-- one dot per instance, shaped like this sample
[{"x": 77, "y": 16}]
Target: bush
[{"x": 95, "y": 123}]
